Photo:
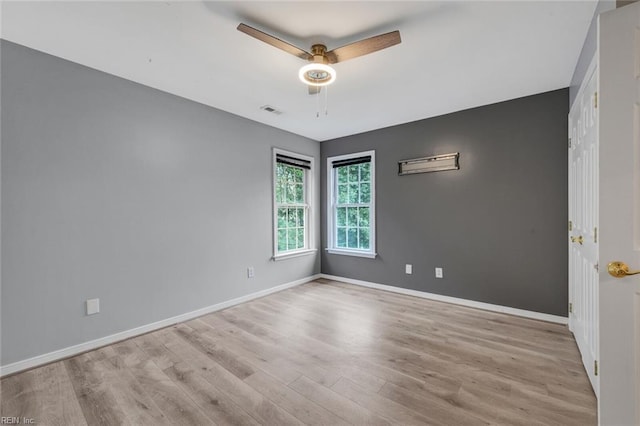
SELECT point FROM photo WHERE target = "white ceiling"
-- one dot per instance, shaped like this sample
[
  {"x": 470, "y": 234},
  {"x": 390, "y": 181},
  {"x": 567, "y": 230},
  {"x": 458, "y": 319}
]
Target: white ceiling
[{"x": 454, "y": 55}]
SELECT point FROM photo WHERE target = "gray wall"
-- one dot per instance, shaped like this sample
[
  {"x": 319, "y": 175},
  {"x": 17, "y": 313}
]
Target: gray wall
[
  {"x": 152, "y": 203},
  {"x": 497, "y": 226},
  {"x": 588, "y": 49}
]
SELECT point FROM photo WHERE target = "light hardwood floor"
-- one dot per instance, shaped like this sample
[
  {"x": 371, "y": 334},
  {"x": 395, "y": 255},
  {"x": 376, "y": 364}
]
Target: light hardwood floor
[{"x": 321, "y": 353}]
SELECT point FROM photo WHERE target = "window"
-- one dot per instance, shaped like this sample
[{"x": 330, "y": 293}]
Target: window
[
  {"x": 351, "y": 201},
  {"x": 291, "y": 217}
]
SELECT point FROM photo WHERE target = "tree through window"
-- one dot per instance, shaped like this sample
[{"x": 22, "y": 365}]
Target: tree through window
[
  {"x": 292, "y": 175},
  {"x": 351, "y": 197}
]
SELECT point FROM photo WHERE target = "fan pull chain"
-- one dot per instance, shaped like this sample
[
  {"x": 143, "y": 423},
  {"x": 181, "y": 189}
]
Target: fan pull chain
[
  {"x": 317, "y": 105},
  {"x": 326, "y": 100}
]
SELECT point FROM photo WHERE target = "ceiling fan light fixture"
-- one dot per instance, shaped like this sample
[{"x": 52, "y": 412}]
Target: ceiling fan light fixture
[{"x": 317, "y": 74}]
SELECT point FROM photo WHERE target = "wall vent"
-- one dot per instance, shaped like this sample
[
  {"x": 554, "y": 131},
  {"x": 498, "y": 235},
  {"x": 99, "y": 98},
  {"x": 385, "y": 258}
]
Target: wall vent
[{"x": 270, "y": 109}]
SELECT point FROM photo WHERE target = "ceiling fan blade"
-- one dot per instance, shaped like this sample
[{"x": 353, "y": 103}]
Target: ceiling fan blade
[
  {"x": 275, "y": 42},
  {"x": 314, "y": 90},
  {"x": 363, "y": 47}
]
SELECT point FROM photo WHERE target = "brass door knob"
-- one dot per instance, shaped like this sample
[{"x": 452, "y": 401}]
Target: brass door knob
[
  {"x": 619, "y": 269},
  {"x": 577, "y": 239}
]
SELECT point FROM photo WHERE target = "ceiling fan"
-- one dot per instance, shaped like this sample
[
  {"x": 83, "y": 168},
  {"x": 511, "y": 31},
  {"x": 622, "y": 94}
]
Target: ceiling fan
[{"x": 318, "y": 73}]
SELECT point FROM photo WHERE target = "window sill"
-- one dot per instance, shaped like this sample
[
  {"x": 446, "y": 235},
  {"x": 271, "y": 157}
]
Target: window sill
[
  {"x": 352, "y": 253},
  {"x": 291, "y": 255}
]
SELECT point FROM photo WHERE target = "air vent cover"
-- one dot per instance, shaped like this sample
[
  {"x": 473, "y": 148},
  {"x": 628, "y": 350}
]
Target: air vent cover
[{"x": 270, "y": 109}]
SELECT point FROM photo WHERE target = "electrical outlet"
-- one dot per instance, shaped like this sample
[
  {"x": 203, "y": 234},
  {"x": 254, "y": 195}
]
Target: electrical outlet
[
  {"x": 251, "y": 272},
  {"x": 408, "y": 269},
  {"x": 93, "y": 306},
  {"x": 439, "y": 273}
]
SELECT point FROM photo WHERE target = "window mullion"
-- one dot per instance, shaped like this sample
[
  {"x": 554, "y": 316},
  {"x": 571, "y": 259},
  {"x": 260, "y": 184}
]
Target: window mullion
[
  {"x": 354, "y": 205},
  {"x": 293, "y": 206}
]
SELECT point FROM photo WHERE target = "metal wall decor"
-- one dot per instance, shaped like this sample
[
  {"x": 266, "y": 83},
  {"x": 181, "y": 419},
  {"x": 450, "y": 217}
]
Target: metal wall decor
[{"x": 437, "y": 163}]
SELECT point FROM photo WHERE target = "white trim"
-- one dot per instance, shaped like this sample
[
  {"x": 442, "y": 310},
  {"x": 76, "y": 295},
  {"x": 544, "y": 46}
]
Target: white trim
[
  {"x": 356, "y": 253},
  {"x": 309, "y": 198},
  {"x": 454, "y": 300},
  {"x": 592, "y": 66},
  {"x": 289, "y": 255},
  {"x": 107, "y": 340},
  {"x": 331, "y": 204}
]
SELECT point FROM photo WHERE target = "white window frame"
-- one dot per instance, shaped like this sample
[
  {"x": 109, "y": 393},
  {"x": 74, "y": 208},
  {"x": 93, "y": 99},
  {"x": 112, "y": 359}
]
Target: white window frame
[
  {"x": 332, "y": 192},
  {"x": 309, "y": 211}
]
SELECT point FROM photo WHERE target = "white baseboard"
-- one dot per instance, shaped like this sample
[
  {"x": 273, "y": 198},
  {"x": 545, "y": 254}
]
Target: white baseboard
[
  {"x": 107, "y": 340},
  {"x": 454, "y": 300}
]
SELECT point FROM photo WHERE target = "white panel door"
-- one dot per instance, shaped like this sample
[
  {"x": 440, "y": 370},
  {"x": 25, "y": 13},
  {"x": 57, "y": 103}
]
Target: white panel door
[
  {"x": 619, "y": 137},
  {"x": 583, "y": 214}
]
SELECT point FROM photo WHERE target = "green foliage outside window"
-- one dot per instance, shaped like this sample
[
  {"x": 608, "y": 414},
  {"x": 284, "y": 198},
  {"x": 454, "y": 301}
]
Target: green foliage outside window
[
  {"x": 353, "y": 206},
  {"x": 290, "y": 200}
]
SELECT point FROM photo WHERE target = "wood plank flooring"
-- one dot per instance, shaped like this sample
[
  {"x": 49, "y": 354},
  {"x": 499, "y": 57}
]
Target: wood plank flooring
[{"x": 324, "y": 353}]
